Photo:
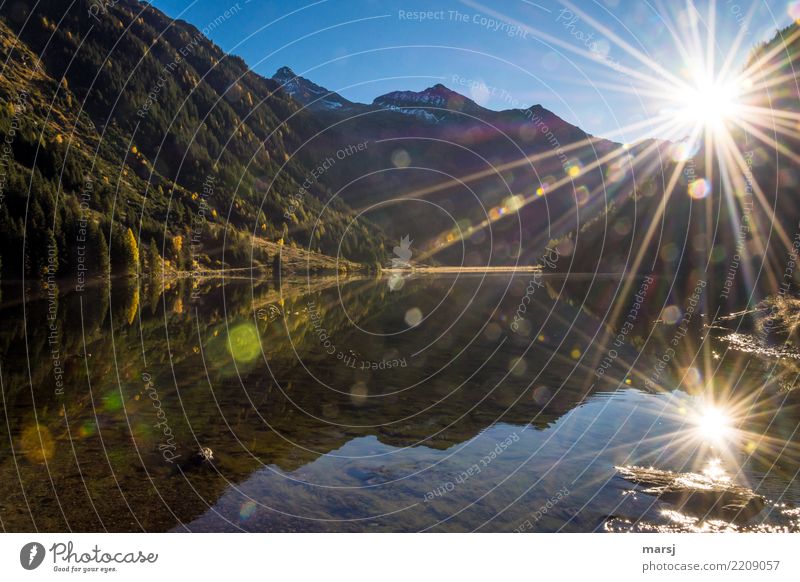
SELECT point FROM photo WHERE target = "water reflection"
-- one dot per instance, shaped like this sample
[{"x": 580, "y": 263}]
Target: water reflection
[
  {"x": 713, "y": 423},
  {"x": 323, "y": 406}
]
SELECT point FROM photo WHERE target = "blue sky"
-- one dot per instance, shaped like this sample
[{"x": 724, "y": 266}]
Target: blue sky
[{"x": 364, "y": 48}]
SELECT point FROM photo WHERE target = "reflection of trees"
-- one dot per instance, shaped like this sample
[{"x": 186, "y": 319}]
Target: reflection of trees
[
  {"x": 132, "y": 305},
  {"x": 239, "y": 403}
]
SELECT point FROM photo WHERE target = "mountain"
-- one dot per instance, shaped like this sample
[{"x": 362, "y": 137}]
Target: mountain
[
  {"x": 156, "y": 131},
  {"x": 418, "y": 103},
  {"x": 310, "y": 94},
  {"x": 434, "y": 104},
  {"x": 467, "y": 165},
  {"x": 160, "y": 132},
  {"x": 608, "y": 208}
]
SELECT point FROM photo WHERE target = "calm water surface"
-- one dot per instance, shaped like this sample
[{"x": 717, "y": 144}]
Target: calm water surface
[{"x": 353, "y": 405}]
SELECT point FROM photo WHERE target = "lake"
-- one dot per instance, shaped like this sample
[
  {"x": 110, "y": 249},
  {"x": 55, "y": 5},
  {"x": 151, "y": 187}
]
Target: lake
[{"x": 421, "y": 403}]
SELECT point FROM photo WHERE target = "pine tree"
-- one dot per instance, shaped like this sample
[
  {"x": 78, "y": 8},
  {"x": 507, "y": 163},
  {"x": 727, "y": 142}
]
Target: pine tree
[
  {"x": 103, "y": 262},
  {"x": 154, "y": 260},
  {"x": 41, "y": 248},
  {"x": 276, "y": 266}
]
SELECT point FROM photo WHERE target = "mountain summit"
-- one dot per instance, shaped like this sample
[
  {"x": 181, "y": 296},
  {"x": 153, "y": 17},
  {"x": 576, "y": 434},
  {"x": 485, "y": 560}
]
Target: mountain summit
[
  {"x": 309, "y": 93},
  {"x": 425, "y": 103}
]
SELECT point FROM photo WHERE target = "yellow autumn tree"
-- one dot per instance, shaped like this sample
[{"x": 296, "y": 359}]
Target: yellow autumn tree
[
  {"x": 177, "y": 248},
  {"x": 133, "y": 305},
  {"x": 131, "y": 252}
]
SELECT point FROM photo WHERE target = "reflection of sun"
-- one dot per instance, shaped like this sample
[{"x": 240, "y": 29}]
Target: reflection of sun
[
  {"x": 713, "y": 423},
  {"x": 714, "y": 470}
]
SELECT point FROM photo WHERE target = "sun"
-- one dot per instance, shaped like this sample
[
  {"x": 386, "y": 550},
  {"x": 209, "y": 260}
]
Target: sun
[{"x": 709, "y": 103}]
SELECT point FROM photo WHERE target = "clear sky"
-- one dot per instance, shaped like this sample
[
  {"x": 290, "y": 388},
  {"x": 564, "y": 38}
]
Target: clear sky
[{"x": 503, "y": 54}]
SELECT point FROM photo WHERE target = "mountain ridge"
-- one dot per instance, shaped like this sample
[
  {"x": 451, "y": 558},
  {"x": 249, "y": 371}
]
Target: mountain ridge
[{"x": 437, "y": 96}]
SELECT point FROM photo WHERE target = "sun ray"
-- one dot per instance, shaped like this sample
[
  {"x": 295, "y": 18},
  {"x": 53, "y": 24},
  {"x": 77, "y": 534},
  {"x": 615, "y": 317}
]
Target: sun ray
[
  {"x": 777, "y": 146},
  {"x": 527, "y": 198},
  {"x": 733, "y": 50},
  {"x": 628, "y": 48},
  {"x": 758, "y": 194},
  {"x": 666, "y": 82}
]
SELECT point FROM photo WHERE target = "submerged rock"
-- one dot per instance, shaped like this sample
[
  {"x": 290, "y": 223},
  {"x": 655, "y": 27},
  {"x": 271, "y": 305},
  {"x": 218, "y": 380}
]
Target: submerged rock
[
  {"x": 202, "y": 458},
  {"x": 697, "y": 494}
]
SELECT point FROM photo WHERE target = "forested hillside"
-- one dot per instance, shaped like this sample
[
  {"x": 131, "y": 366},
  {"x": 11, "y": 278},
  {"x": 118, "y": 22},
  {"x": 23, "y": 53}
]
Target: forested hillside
[{"x": 134, "y": 131}]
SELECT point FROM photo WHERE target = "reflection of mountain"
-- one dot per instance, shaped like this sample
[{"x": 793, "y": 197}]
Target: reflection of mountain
[{"x": 238, "y": 405}]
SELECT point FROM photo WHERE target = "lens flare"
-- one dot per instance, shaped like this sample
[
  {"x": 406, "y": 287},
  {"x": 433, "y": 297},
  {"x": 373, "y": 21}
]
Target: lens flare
[
  {"x": 794, "y": 11},
  {"x": 699, "y": 189},
  {"x": 684, "y": 150},
  {"x": 713, "y": 424}
]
